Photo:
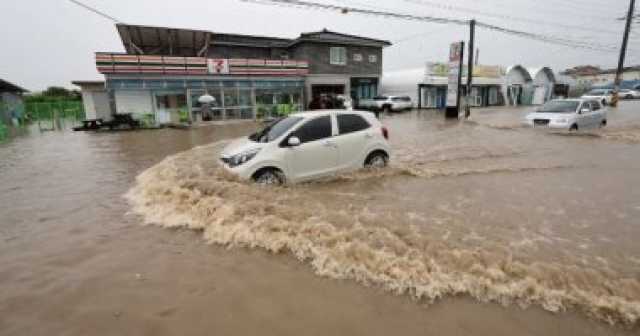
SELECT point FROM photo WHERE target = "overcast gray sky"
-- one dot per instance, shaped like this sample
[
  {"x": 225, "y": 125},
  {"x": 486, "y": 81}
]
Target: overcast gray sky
[{"x": 51, "y": 42}]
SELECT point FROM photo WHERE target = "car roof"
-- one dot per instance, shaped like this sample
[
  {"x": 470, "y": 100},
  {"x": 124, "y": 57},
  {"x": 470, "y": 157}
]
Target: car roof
[
  {"x": 316, "y": 113},
  {"x": 578, "y": 100}
]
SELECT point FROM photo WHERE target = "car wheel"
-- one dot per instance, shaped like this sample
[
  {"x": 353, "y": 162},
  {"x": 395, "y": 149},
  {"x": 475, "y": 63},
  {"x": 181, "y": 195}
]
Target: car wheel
[
  {"x": 269, "y": 177},
  {"x": 574, "y": 128},
  {"x": 377, "y": 159},
  {"x": 386, "y": 109},
  {"x": 603, "y": 123}
]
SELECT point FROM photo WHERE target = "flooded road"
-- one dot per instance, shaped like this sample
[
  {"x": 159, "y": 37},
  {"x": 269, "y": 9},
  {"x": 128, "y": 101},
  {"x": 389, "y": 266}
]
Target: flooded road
[{"x": 473, "y": 221}]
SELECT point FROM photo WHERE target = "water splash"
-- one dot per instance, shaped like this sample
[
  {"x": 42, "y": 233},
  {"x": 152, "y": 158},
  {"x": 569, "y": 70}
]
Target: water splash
[{"x": 190, "y": 190}]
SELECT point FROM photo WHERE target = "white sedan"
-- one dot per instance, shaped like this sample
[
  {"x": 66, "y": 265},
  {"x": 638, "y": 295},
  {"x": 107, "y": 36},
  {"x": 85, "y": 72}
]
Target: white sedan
[
  {"x": 571, "y": 114},
  {"x": 309, "y": 145},
  {"x": 602, "y": 95},
  {"x": 629, "y": 94}
]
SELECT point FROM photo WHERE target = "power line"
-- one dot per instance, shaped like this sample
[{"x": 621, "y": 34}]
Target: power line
[
  {"x": 571, "y": 10},
  {"x": 440, "y": 20},
  {"x": 506, "y": 17},
  {"x": 413, "y": 36},
  {"x": 91, "y": 9}
]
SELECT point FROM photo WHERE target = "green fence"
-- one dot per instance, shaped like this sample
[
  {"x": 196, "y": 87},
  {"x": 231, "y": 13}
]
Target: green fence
[{"x": 56, "y": 114}]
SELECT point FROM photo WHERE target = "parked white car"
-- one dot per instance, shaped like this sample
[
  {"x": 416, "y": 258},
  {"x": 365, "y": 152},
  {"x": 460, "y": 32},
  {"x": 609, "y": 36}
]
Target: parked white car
[
  {"x": 571, "y": 114},
  {"x": 629, "y": 94},
  {"x": 309, "y": 145},
  {"x": 601, "y": 95},
  {"x": 387, "y": 103}
]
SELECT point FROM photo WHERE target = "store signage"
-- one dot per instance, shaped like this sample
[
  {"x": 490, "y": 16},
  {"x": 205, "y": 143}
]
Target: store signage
[
  {"x": 218, "y": 66},
  {"x": 485, "y": 71},
  {"x": 454, "y": 74}
]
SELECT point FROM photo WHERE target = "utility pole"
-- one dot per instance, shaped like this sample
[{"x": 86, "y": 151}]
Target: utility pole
[
  {"x": 472, "y": 37},
  {"x": 623, "y": 53}
]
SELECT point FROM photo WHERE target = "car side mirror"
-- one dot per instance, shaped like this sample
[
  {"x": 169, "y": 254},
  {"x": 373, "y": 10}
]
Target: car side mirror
[
  {"x": 585, "y": 110},
  {"x": 293, "y": 141}
]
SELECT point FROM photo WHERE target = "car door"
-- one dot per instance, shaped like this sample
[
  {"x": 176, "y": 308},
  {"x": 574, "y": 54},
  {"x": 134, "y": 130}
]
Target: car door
[
  {"x": 317, "y": 154},
  {"x": 354, "y": 133},
  {"x": 598, "y": 113},
  {"x": 584, "y": 115}
]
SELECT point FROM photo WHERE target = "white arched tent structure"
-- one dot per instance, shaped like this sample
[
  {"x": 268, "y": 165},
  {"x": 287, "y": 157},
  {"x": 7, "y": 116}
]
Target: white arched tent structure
[
  {"x": 543, "y": 83},
  {"x": 517, "y": 86},
  {"x": 402, "y": 83}
]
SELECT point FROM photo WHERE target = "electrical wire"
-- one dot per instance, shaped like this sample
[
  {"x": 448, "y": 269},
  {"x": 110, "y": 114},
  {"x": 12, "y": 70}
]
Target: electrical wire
[
  {"x": 571, "y": 10},
  {"x": 91, "y": 9},
  {"x": 402, "y": 16},
  {"x": 506, "y": 17}
]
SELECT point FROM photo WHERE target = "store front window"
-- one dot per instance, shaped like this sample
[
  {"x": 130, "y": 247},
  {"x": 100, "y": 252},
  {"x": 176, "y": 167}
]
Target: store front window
[
  {"x": 271, "y": 103},
  {"x": 238, "y": 103},
  {"x": 209, "y": 112}
]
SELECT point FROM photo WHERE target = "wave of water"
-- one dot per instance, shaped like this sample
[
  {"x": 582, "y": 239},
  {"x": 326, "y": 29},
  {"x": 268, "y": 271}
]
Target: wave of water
[{"x": 189, "y": 190}]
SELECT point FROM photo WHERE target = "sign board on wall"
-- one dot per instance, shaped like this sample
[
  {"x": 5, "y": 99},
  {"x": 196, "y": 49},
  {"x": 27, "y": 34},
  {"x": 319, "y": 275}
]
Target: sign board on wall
[
  {"x": 435, "y": 69},
  {"x": 218, "y": 66},
  {"x": 454, "y": 75}
]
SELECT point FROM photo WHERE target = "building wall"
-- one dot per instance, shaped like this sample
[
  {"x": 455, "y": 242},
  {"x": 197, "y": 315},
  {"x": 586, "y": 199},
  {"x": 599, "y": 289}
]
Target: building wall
[
  {"x": 319, "y": 60},
  {"x": 11, "y": 106},
  {"x": 96, "y": 101},
  {"x": 136, "y": 102},
  {"x": 316, "y": 53},
  {"x": 606, "y": 78},
  {"x": 238, "y": 52}
]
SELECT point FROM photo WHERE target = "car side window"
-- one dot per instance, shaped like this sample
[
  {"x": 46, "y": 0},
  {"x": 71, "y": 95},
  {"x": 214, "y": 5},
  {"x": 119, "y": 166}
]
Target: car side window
[
  {"x": 586, "y": 105},
  {"x": 315, "y": 129},
  {"x": 595, "y": 106},
  {"x": 349, "y": 123}
]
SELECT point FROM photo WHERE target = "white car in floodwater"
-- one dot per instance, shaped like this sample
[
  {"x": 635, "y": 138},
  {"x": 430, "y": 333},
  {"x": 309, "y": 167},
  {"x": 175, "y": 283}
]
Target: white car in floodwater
[
  {"x": 309, "y": 145},
  {"x": 570, "y": 114},
  {"x": 604, "y": 96}
]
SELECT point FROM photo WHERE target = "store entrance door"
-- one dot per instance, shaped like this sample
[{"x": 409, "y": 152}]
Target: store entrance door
[
  {"x": 325, "y": 96},
  {"x": 318, "y": 90}
]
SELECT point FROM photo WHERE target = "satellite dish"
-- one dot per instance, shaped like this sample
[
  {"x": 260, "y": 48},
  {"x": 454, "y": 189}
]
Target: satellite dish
[{"x": 206, "y": 99}]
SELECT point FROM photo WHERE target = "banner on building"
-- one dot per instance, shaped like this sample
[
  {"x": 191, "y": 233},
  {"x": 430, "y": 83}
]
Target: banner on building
[
  {"x": 454, "y": 75},
  {"x": 219, "y": 66}
]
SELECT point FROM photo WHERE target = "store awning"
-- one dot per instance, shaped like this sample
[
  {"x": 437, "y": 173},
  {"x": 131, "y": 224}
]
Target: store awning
[{"x": 152, "y": 40}]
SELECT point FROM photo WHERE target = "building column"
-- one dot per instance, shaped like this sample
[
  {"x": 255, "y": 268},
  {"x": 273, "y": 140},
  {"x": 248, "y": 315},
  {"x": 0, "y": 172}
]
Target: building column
[
  {"x": 189, "y": 104},
  {"x": 254, "y": 103}
]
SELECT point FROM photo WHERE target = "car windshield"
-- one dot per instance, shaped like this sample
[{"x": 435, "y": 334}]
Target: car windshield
[
  {"x": 559, "y": 106},
  {"x": 380, "y": 98},
  {"x": 275, "y": 129}
]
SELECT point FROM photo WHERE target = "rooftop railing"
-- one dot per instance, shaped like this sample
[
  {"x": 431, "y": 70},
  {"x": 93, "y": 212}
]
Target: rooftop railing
[{"x": 114, "y": 63}]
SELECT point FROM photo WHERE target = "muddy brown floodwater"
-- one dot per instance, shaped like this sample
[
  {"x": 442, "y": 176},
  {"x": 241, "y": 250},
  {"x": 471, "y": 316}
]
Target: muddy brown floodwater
[{"x": 478, "y": 228}]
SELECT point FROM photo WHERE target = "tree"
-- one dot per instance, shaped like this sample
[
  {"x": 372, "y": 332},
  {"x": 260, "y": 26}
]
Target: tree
[{"x": 54, "y": 93}]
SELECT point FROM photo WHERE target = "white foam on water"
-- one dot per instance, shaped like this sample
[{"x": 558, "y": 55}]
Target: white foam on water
[{"x": 189, "y": 190}]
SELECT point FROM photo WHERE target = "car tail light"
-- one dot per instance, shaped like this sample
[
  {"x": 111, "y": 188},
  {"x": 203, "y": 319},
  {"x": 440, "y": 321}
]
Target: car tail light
[{"x": 385, "y": 133}]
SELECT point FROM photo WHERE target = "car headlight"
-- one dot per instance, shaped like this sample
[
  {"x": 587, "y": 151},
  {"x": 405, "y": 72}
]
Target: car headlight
[{"x": 243, "y": 157}]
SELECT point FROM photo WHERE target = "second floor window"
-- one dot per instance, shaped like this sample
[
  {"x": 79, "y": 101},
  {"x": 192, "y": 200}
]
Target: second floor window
[
  {"x": 338, "y": 55},
  {"x": 373, "y": 58}
]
